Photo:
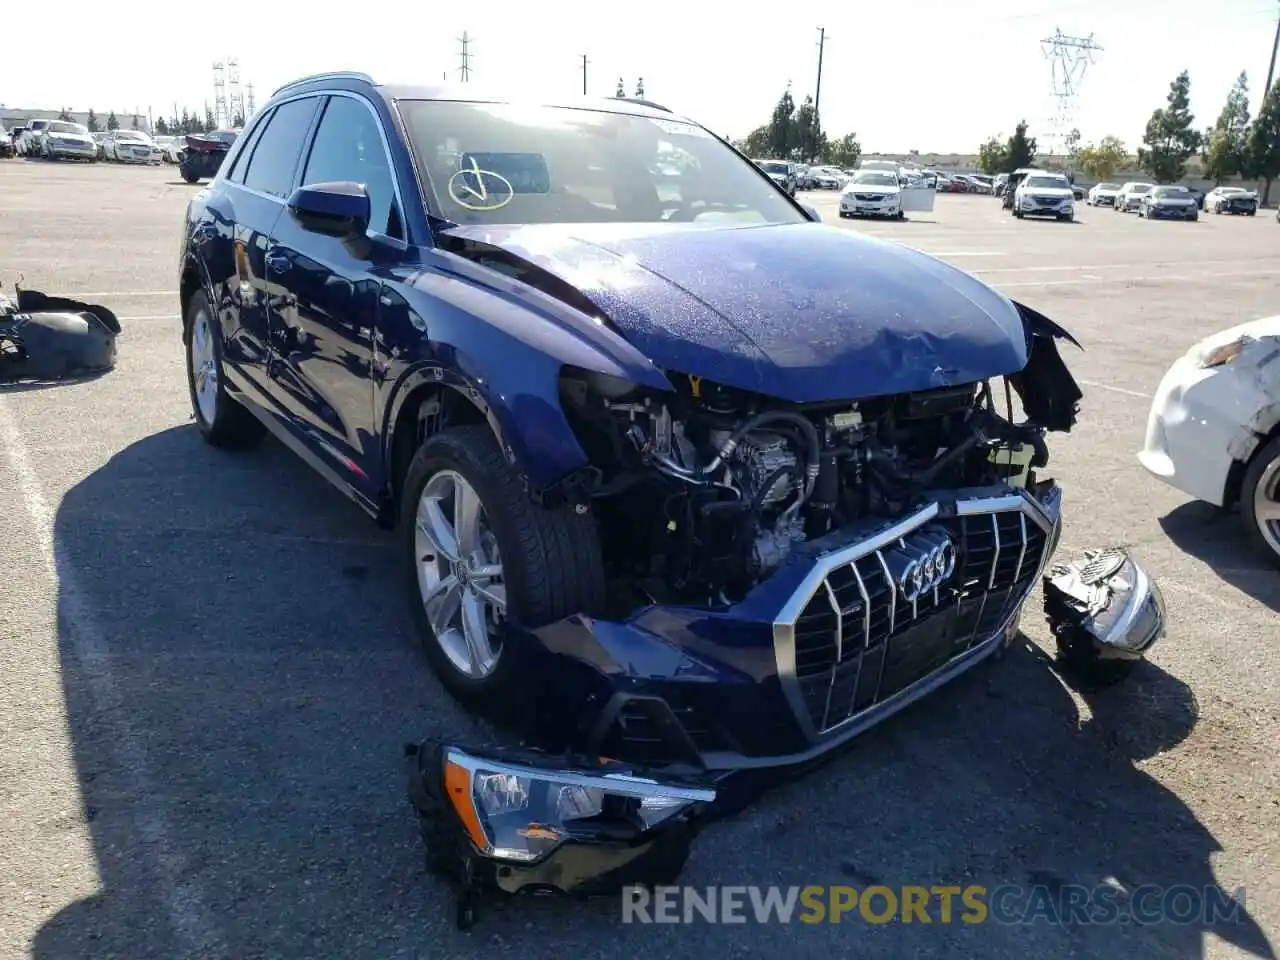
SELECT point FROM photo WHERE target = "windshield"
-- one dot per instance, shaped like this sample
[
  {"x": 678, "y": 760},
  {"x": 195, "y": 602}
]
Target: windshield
[
  {"x": 1139, "y": 188},
  {"x": 1108, "y": 186},
  {"x": 1229, "y": 190},
  {"x": 1047, "y": 183},
  {"x": 61, "y": 126},
  {"x": 132, "y": 135},
  {"x": 770, "y": 166},
  {"x": 38, "y": 124},
  {"x": 502, "y": 163},
  {"x": 222, "y": 136},
  {"x": 1171, "y": 192},
  {"x": 876, "y": 178}
]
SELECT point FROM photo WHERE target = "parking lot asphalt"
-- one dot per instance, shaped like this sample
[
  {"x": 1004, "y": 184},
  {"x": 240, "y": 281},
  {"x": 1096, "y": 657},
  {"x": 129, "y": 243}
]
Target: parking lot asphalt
[{"x": 207, "y": 674}]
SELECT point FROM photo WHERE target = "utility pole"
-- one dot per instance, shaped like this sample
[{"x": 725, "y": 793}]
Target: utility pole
[
  {"x": 465, "y": 72},
  {"x": 1068, "y": 57},
  {"x": 817, "y": 91},
  {"x": 1271, "y": 70},
  {"x": 584, "y": 74}
]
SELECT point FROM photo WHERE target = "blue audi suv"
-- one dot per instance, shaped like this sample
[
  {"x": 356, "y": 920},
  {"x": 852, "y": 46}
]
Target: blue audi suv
[{"x": 699, "y": 478}]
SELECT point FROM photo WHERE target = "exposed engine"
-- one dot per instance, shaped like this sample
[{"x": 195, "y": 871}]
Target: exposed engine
[{"x": 705, "y": 491}]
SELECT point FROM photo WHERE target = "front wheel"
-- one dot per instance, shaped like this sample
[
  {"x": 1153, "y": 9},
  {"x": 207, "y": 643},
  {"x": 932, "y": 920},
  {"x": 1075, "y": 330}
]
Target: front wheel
[
  {"x": 189, "y": 175},
  {"x": 223, "y": 422},
  {"x": 1260, "y": 501},
  {"x": 479, "y": 553}
]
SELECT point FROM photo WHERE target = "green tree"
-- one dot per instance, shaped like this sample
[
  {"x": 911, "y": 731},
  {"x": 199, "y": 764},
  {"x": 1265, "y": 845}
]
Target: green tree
[
  {"x": 112, "y": 122},
  {"x": 1019, "y": 150},
  {"x": 1072, "y": 143},
  {"x": 210, "y": 123},
  {"x": 184, "y": 125},
  {"x": 640, "y": 89},
  {"x": 1264, "y": 142},
  {"x": 136, "y": 121},
  {"x": 1226, "y": 146},
  {"x": 1171, "y": 138},
  {"x": 238, "y": 120},
  {"x": 757, "y": 142},
  {"x": 845, "y": 152},
  {"x": 783, "y": 134},
  {"x": 65, "y": 115},
  {"x": 91, "y": 121},
  {"x": 991, "y": 156},
  {"x": 622, "y": 91},
  {"x": 811, "y": 142},
  {"x": 162, "y": 127},
  {"x": 1101, "y": 161}
]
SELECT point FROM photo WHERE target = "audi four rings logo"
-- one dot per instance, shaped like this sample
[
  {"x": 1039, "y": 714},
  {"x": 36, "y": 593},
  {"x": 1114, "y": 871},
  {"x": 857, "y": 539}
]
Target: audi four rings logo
[{"x": 922, "y": 566}]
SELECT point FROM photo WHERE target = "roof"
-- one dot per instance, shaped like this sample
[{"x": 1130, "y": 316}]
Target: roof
[{"x": 474, "y": 93}]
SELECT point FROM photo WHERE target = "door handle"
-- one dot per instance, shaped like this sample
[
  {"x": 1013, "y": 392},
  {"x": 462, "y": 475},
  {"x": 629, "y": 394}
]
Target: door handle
[
  {"x": 205, "y": 231},
  {"x": 277, "y": 262}
]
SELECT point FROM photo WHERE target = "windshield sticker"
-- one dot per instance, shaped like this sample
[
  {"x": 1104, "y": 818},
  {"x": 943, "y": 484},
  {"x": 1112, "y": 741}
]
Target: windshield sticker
[
  {"x": 681, "y": 129},
  {"x": 480, "y": 190}
]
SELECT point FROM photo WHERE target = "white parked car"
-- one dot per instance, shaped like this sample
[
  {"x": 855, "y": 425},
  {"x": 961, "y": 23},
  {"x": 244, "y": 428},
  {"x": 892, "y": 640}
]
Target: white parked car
[
  {"x": 1231, "y": 200},
  {"x": 1103, "y": 195},
  {"x": 29, "y": 140},
  {"x": 64, "y": 140},
  {"x": 1213, "y": 428},
  {"x": 872, "y": 193},
  {"x": 171, "y": 148},
  {"x": 131, "y": 146},
  {"x": 1043, "y": 194},
  {"x": 1131, "y": 194},
  {"x": 826, "y": 178}
]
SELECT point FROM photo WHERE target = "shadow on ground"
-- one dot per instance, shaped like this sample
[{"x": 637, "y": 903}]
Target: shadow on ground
[
  {"x": 239, "y": 683},
  {"x": 1218, "y": 538}
]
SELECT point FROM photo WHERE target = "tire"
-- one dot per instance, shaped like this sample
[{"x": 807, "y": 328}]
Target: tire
[
  {"x": 223, "y": 422},
  {"x": 1261, "y": 484},
  {"x": 549, "y": 561},
  {"x": 1252, "y": 212},
  {"x": 189, "y": 175},
  {"x": 901, "y": 215}
]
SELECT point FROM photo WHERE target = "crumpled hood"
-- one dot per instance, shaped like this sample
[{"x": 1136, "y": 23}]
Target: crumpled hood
[
  {"x": 801, "y": 312},
  {"x": 83, "y": 138},
  {"x": 871, "y": 188}
]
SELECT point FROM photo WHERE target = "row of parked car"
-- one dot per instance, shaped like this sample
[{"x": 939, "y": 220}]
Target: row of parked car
[
  {"x": 1141, "y": 196},
  {"x": 68, "y": 140}
]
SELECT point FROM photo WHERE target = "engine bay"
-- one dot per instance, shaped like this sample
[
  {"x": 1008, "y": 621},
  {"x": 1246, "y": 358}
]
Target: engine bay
[{"x": 704, "y": 491}]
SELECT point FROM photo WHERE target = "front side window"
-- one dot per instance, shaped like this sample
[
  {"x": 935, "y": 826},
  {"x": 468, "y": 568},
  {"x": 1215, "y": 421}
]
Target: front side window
[
  {"x": 275, "y": 156},
  {"x": 348, "y": 146},
  {"x": 500, "y": 163}
]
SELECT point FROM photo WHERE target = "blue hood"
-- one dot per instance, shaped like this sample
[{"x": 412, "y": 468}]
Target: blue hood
[{"x": 801, "y": 312}]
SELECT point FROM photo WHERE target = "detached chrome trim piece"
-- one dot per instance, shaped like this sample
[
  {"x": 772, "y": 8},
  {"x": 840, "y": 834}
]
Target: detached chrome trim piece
[{"x": 966, "y": 503}]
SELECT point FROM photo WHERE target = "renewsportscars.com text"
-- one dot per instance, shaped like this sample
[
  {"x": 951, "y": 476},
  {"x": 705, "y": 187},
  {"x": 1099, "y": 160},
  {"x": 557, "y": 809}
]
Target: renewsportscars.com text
[{"x": 973, "y": 904}]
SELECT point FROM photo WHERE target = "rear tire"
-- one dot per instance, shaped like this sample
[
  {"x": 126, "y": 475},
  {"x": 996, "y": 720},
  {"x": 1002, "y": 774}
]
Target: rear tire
[
  {"x": 547, "y": 560},
  {"x": 223, "y": 422}
]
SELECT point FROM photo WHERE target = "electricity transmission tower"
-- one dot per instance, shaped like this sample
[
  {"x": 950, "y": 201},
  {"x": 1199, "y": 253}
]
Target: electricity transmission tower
[
  {"x": 235, "y": 108},
  {"x": 1068, "y": 58},
  {"x": 219, "y": 95},
  {"x": 464, "y": 74}
]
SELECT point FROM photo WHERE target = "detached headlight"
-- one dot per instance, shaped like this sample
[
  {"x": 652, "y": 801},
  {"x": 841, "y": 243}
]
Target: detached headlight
[
  {"x": 1223, "y": 354},
  {"x": 519, "y": 808}
]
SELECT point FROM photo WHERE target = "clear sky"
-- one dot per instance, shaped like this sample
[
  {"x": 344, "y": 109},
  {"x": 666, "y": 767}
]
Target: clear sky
[{"x": 929, "y": 75}]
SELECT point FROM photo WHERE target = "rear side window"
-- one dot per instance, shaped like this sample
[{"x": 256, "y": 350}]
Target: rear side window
[
  {"x": 275, "y": 156},
  {"x": 348, "y": 146},
  {"x": 242, "y": 158}
]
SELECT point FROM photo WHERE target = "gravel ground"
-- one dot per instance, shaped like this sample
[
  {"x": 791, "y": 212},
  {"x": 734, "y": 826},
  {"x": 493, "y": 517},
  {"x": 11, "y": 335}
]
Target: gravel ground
[{"x": 206, "y": 674}]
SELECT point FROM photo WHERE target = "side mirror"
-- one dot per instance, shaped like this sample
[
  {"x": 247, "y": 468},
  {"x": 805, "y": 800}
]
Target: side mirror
[
  {"x": 811, "y": 213},
  {"x": 339, "y": 209}
]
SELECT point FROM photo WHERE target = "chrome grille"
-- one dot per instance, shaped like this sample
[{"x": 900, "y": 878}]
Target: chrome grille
[
  {"x": 870, "y": 196},
  {"x": 855, "y": 641}
]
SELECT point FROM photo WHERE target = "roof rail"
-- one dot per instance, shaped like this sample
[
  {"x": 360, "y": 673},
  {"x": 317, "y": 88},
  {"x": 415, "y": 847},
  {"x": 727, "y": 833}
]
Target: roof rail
[
  {"x": 645, "y": 103},
  {"x": 332, "y": 75}
]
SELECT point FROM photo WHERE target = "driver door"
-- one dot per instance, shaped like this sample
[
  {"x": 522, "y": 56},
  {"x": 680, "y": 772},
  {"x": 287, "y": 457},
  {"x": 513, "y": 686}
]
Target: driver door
[{"x": 916, "y": 197}]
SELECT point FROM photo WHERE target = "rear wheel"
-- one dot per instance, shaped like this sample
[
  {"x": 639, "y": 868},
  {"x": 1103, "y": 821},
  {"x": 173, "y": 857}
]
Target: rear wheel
[
  {"x": 1260, "y": 500},
  {"x": 479, "y": 553},
  {"x": 222, "y": 421}
]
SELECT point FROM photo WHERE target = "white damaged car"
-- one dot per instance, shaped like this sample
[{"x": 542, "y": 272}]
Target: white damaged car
[
  {"x": 1043, "y": 194},
  {"x": 1214, "y": 427}
]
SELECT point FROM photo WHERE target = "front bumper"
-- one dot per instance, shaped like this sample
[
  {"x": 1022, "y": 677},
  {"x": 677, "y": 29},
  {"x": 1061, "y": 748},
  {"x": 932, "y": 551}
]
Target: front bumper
[
  {"x": 1158, "y": 211},
  {"x": 75, "y": 152},
  {"x": 1031, "y": 207},
  {"x": 1104, "y": 200},
  {"x": 826, "y": 648}
]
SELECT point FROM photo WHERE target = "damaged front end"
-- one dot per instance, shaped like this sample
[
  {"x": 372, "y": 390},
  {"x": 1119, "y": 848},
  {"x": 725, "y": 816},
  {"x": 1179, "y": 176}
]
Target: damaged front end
[
  {"x": 523, "y": 822},
  {"x": 45, "y": 338}
]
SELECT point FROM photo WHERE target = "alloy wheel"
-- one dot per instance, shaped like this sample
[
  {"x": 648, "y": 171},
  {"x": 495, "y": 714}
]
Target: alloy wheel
[
  {"x": 1266, "y": 505},
  {"x": 204, "y": 367},
  {"x": 460, "y": 574}
]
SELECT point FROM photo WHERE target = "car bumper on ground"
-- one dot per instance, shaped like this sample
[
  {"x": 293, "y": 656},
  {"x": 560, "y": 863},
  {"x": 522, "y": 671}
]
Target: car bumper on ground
[{"x": 1198, "y": 427}]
